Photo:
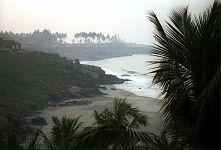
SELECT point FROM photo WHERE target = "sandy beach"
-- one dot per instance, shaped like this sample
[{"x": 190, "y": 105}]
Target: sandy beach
[{"x": 149, "y": 106}]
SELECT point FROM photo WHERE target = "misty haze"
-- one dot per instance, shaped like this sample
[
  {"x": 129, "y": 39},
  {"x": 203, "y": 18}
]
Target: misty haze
[{"x": 110, "y": 75}]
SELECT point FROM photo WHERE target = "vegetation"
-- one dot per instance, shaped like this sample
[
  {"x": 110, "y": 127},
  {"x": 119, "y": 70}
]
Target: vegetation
[
  {"x": 65, "y": 133},
  {"x": 29, "y": 80},
  {"x": 188, "y": 71},
  {"x": 117, "y": 128},
  {"x": 47, "y": 37},
  {"x": 93, "y": 37},
  {"x": 114, "y": 129},
  {"x": 84, "y": 46},
  {"x": 10, "y": 44},
  {"x": 37, "y": 37}
]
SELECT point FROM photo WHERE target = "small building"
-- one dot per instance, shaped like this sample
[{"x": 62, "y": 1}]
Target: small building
[
  {"x": 77, "y": 61},
  {"x": 10, "y": 44}
]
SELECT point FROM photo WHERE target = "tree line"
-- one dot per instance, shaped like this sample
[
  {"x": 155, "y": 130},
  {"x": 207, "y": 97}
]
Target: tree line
[
  {"x": 93, "y": 37},
  {"x": 187, "y": 69},
  {"x": 46, "y": 36}
]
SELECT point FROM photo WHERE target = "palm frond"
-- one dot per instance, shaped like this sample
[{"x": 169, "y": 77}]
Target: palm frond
[{"x": 188, "y": 55}]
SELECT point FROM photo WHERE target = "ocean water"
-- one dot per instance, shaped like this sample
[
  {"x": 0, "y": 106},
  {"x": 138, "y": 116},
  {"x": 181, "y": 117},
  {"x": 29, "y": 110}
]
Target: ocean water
[{"x": 135, "y": 68}]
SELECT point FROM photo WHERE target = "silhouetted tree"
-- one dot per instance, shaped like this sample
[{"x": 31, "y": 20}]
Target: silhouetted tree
[
  {"x": 117, "y": 128},
  {"x": 188, "y": 70}
]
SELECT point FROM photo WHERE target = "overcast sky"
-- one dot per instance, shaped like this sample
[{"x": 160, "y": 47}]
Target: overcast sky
[{"x": 125, "y": 17}]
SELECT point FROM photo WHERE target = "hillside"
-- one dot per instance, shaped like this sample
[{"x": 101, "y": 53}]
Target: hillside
[
  {"x": 90, "y": 51},
  {"x": 30, "y": 79},
  {"x": 86, "y": 46}
]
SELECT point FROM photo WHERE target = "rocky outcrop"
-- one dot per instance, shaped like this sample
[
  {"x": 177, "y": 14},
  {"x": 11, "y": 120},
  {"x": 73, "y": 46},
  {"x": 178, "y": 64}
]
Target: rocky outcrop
[
  {"x": 86, "y": 83},
  {"x": 99, "y": 75},
  {"x": 39, "y": 121}
]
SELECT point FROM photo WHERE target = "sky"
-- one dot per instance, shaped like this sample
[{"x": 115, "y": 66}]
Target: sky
[{"x": 124, "y": 17}]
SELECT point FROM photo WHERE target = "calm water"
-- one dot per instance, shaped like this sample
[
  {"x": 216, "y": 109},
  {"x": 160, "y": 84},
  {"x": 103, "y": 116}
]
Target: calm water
[{"x": 134, "y": 68}]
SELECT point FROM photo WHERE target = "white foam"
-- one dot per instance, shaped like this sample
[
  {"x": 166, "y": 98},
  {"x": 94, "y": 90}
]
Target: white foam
[{"x": 134, "y": 67}]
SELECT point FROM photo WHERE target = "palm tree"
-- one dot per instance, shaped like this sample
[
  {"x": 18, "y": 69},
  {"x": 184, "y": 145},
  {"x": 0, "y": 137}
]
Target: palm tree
[
  {"x": 34, "y": 141},
  {"x": 65, "y": 136},
  {"x": 117, "y": 128},
  {"x": 23, "y": 141},
  {"x": 187, "y": 69},
  {"x": 164, "y": 142},
  {"x": 65, "y": 133}
]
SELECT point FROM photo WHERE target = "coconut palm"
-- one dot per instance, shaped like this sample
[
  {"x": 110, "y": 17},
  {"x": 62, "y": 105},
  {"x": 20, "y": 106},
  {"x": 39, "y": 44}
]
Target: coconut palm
[
  {"x": 117, "y": 128},
  {"x": 36, "y": 140},
  {"x": 31, "y": 141},
  {"x": 64, "y": 136},
  {"x": 65, "y": 132},
  {"x": 187, "y": 69},
  {"x": 164, "y": 142}
]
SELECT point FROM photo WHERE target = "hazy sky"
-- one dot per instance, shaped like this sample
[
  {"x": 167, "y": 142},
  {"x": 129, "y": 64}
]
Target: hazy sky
[{"x": 126, "y": 17}]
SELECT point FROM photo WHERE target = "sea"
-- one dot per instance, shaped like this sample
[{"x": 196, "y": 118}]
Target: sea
[{"x": 136, "y": 68}]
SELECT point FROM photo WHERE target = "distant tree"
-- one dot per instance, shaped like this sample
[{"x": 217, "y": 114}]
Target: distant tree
[
  {"x": 108, "y": 37},
  {"x": 44, "y": 36},
  {"x": 93, "y": 37},
  {"x": 103, "y": 38},
  {"x": 73, "y": 41}
]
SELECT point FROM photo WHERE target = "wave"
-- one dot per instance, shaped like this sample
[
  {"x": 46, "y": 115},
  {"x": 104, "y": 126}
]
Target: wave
[{"x": 133, "y": 68}]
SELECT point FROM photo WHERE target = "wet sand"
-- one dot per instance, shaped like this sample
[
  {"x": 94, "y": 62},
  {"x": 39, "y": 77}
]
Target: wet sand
[{"x": 149, "y": 106}]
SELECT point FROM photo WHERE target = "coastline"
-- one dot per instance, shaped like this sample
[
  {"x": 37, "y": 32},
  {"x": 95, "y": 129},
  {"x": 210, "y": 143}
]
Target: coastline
[{"x": 149, "y": 106}]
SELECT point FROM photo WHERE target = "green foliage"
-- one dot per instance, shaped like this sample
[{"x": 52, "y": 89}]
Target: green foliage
[
  {"x": 93, "y": 37},
  {"x": 187, "y": 65},
  {"x": 187, "y": 69},
  {"x": 117, "y": 128},
  {"x": 36, "y": 37},
  {"x": 13, "y": 140},
  {"x": 27, "y": 79},
  {"x": 122, "y": 114},
  {"x": 65, "y": 133},
  {"x": 114, "y": 129}
]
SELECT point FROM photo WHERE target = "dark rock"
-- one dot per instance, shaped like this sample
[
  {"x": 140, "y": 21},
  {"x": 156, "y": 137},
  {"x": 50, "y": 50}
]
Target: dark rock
[
  {"x": 90, "y": 92},
  {"x": 75, "y": 102},
  {"x": 4, "y": 122},
  {"x": 111, "y": 79},
  {"x": 102, "y": 87},
  {"x": 76, "y": 62},
  {"x": 125, "y": 75},
  {"x": 132, "y": 72},
  {"x": 39, "y": 121},
  {"x": 85, "y": 82},
  {"x": 113, "y": 88}
]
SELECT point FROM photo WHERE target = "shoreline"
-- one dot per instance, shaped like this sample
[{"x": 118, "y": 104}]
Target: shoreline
[{"x": 147, "y": 105}]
